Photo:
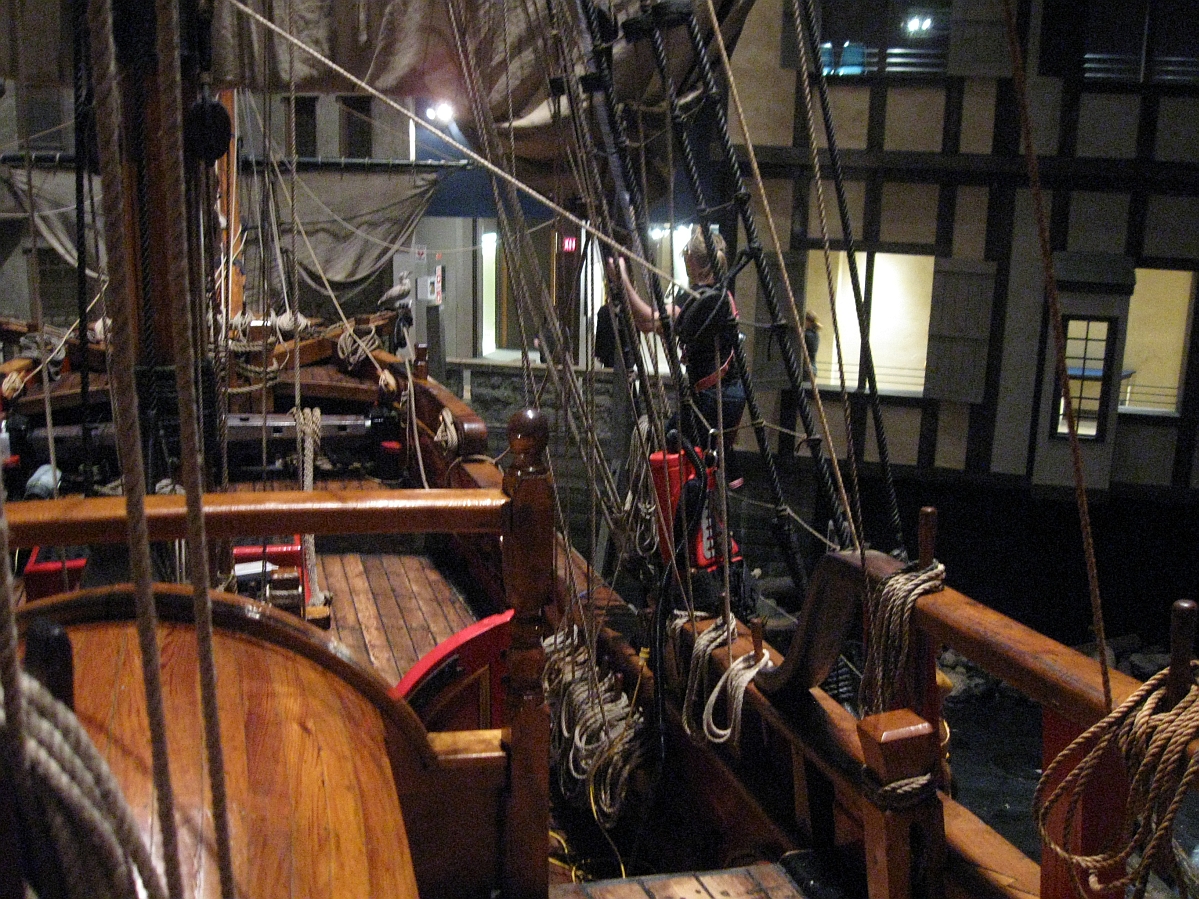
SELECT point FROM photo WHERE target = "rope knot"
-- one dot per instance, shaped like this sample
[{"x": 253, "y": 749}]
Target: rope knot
[{"x": 899, "y": 795}]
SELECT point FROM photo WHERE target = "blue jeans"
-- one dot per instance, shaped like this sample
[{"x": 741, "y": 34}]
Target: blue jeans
[{"x": 695, "y": 430}]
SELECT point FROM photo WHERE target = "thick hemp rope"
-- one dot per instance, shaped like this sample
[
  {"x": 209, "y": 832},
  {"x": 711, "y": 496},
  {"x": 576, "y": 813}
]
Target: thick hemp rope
[
  {"x": 733, "y": 684},
  {"x": 308, "y": 432},
  {"x": 125, "y": 416},
  {"x": 94, "y": 833},
  {"x": 889, "y": 615},
  {"x": 1153, "y": 741}
]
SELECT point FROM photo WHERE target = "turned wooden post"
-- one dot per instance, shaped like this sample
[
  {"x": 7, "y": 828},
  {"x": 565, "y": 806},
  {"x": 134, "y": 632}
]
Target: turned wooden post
[
  {"x": 927, "y": 701},
  {"x": 528, "y": 558},
  {"x": 898, "y": 746},
  {"x": 1182, "y": 650}
]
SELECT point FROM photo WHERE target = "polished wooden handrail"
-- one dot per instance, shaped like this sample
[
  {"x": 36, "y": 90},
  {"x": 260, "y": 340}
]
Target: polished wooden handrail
[
  {"x": 1047, "y": 672},
  {"x": 79, "y": 520}
]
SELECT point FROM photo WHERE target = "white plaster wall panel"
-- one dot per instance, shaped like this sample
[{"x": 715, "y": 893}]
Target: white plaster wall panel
[
  {"x": 1178, "y": 129},
  {"x": 978, "y": 115},
  {"x": 902, "y": 424},
  {"x": 767, "y": 91},
  {"x": 1098, "y": 222},
  {"x": 1172, "y": 227},
  {"x": 1107, "y": 125},
  {"x": 970, "y": 222},
  {"x": 953, "y": 426},
  {"x": 909, "y": 213},
  {"x": 915, "y": 119},
  {"x": 1144, "y": 452},
  {"x": 1021, "y": 334},
  {"x": 855, "y": 199},
  {"x": 850, "y": 107}
]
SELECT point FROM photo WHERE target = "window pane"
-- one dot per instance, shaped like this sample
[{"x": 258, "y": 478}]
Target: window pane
[
  {"x": 356, "y": 127},
  {"x": 899, "y": 311},
  {"x": 306, "y": 126},
  {"x": 1157, "y": 330},
  {"x": 1086, "y": 365},
  {"x": 899, "y": 315}
]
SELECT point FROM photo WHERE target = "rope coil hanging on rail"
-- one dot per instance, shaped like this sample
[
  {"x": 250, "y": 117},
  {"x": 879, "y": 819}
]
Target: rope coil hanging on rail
[
  {"x": 889, "y": 608},
  {"x": 1153, "y": 741}
]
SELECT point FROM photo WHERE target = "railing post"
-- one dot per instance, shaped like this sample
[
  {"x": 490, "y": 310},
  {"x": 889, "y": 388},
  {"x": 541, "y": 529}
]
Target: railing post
[
  {"x": 901, "y": 813},
  {"x": 927, "y": 701},
  {"x": 1099, "y": 817},
  {"x": 1182, "y": 650},
  {"x": 528, "y": 547}
]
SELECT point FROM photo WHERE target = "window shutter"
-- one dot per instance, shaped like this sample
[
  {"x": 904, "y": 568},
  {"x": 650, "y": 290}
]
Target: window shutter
[{"x": 959, "y": 329}]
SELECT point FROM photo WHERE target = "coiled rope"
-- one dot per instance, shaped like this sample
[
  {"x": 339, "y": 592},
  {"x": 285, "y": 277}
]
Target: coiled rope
[
  {"x": 308, "y": 431},
  {"x": 598, "y": 733},
  {"x": 65, "y": 778},
  {"x": 1153, "y": 741},
  {"x": 889, "y": 615},
  {"x": 732, "y": 684},
  {"x": 353, "y": 349}
]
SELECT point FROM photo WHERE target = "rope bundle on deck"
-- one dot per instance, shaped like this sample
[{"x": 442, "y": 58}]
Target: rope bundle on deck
[
  {"x": 597, "y": 734},
  {"x": 308, "y": 428},
  {"x": 1152, "y": 739}
]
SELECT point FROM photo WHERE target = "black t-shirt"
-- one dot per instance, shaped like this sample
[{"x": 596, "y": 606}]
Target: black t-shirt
[{"x": 707, "y": 330}]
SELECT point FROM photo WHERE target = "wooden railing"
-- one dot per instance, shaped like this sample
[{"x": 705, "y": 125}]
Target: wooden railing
[{"x": 805, "y": 745}]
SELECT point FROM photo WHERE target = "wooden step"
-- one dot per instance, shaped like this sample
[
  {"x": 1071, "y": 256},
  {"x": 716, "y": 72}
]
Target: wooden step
[{"x": 754, "y": 882}]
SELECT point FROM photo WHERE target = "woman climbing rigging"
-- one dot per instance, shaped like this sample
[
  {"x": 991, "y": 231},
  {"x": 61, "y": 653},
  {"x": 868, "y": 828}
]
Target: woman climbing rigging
[{"x": 706, "y": 324}]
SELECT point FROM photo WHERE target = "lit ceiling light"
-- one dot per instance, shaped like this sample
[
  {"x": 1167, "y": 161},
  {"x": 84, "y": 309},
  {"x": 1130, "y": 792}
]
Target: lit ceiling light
[
  {"x": 445, "y": 112},
  {"x": 656, "y": 233},
  {"x": 431, "y": 114},
  {"x": 914, "y": 23},
  {"x": 926, "y": 24}
]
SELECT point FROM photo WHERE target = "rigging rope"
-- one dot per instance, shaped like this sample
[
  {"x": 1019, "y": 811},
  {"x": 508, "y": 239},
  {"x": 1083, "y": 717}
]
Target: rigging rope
[
  {"x": 94, "y": 834},
  {"x": 176, "y": 290},
  {"x": 125, "y": 416},
  {"x": 809, "y": 30},
  {"x": 791, "y": 307},
  {"x": 888, "y": 612},
  {"x": 597, "y": 738},
  {"x": 1153, "y": 741},
  {"x": 308, "y": 436},
  {"x": 1059, "y": 343}
]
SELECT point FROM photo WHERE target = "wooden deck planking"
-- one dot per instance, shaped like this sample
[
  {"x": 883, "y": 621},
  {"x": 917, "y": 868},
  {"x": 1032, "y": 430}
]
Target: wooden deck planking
[
  {"x": 377, "y": 645},
  {"x": 417, "y": 625},
  {"x": 755, "y": 882},
  {"x": 344, "y": 616},
  {"x": 388, "y": 609},
  {"x": 404, "y": 636},
  {"x": 430, "y": 605},
  {"x": 450, "y": 607}
]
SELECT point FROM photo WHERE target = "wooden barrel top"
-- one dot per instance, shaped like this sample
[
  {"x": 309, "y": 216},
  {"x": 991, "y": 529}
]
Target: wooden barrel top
[{"x": 313, "y": 804}]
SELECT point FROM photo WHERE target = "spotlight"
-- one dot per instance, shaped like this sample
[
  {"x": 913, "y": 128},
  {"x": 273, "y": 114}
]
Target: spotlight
[
  {"x": 445, "y": 112},
  {"x": 914, "y": 24},
  {"x": 431, "y": 114},
  {"x": 656, "y": 233},
  {"x": 926, "y": 24}
]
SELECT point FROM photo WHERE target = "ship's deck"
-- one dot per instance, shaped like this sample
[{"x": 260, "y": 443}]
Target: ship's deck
[{"x": 391, "y": 604}]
